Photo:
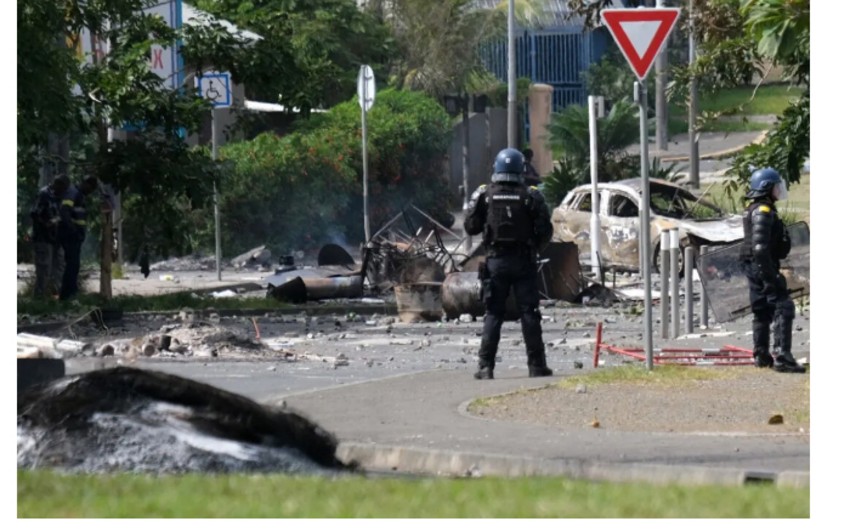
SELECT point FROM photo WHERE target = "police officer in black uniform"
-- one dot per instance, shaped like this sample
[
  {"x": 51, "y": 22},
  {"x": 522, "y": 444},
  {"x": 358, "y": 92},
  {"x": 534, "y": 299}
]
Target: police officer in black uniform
[
  {"x": 765, "y": 243},
  {"x": 72, "y": 232},
  {"x": 515, "y": 222}
]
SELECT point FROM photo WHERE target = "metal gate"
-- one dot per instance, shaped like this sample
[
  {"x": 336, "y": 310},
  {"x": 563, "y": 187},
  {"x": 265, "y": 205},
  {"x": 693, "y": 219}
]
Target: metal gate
[{"x": 554, "y": 56}]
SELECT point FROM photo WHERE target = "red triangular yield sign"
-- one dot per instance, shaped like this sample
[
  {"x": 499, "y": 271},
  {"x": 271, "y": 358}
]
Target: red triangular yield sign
[{"x": 640, "y": 33}]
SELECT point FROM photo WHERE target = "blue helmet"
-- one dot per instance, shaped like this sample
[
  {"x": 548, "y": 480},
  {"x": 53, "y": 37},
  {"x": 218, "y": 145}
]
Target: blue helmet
[
  {"x": 763, "y": 180},
  {"x": 508, "y": 166}
]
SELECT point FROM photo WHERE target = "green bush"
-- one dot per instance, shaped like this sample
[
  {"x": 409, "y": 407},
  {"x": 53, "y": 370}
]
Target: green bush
[{"x": 305, "y": 189}]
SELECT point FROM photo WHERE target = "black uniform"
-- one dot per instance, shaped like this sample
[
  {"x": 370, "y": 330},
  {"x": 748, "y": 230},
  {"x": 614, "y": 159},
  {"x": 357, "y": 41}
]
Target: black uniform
[
  {"x": 49, "y": 257},
  {"x": 72, "y": 233},
  {"x": 765, "y": 243},
  {"x": 515, "y": 222}
]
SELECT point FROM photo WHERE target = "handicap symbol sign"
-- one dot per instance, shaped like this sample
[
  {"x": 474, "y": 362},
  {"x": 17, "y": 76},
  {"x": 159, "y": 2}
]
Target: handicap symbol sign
[{"x": 214, "y": 87}]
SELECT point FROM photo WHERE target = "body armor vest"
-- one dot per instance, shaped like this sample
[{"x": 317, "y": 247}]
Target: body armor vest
[{"x": 509, "y": 220}]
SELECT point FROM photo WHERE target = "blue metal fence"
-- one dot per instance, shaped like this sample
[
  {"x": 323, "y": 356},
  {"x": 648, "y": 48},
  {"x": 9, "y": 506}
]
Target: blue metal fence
[{"x": 554, "y": 56}]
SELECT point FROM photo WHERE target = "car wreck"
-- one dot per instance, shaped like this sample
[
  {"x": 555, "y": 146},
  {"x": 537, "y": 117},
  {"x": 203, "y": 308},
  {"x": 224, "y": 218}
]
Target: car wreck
[{"x": 698, "y": 221}]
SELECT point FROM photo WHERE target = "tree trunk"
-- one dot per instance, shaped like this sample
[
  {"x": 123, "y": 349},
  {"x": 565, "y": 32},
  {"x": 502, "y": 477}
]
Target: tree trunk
[{"x": 106, "y": 213}]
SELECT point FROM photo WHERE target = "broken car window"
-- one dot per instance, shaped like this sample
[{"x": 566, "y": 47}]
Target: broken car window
[
  {"x": 622, "y": 206},
  {"x": 679, "y": 203},
  {"x": 584, "y": 203}
]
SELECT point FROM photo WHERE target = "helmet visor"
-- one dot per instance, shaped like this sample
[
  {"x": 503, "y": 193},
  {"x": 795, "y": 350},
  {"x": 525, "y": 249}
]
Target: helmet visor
[{"x": 780, "y": 192}]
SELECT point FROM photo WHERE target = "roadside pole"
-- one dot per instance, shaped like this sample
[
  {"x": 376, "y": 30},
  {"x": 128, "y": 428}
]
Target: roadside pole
[
  {"x": 594, "y": 216},
  {"x": 512, "y": 118},
  {"x": 366, "y": 98},
  {"x": 215, "y": 198},
  {"x": 660, "y": 95},
  {"x": 693, "y": 138},
  {"x": 644, "y": 227}
]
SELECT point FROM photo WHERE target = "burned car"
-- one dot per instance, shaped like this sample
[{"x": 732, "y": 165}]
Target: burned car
[{"x": 698, "y": 221}]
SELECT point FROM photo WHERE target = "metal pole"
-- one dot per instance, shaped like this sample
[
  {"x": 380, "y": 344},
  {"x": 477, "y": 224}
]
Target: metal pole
[
  {"x": 512, "y": 119},
  {"x": 692, "y": 104},
  {"x": 660, "y": 97},
  {"x": 641, "y": 271},
  {"x": 689, "y": 289},
  {"x": 644, "y": 228},
  {"x": 703, "y": 296},
  {"x": 594, "y": 216},
  {"x": 675, "y": 301},
  {"x": 467, "y": 242},
  {"x": 365, "y": 158},
  {"x": 214, "y": 135},
  {"x": 664, "y": 260}
]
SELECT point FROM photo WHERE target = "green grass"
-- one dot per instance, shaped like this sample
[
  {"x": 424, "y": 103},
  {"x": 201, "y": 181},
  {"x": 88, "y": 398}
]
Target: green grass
[
  {"x": 796, "y": 208},
  {"x": 51, "y": 495},
  {"x": 769, "y": 99},
  {"x": 679, "y": 125}
]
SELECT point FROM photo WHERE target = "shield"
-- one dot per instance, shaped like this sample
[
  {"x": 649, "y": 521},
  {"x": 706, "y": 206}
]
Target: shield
[{"x": 726, "y": 286}]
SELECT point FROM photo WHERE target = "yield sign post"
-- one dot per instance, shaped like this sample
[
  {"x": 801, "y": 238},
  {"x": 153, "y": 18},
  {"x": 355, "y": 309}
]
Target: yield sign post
[{"x": 640, "y": 33}]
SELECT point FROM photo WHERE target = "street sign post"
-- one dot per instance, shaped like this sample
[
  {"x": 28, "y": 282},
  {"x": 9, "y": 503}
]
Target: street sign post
[
  {"x": 366, "y": 98},
  {"x": 640, "y": 33},
  {"x": 215, "y": 88}
]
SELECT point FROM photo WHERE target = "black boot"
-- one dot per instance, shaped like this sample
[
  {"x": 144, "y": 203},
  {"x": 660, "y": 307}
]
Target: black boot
[
  {"x": 762, "y": 359},
  {"x": 537, "y": 365},
  {"x": 787, "y": 364},
  {"x": 783, "y": 328},
  {"x": 539, "y": 371},
  {"x": 484, "y": 372}
]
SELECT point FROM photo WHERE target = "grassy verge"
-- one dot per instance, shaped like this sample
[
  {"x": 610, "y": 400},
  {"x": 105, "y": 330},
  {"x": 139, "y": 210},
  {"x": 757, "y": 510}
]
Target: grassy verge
[
  {"x": 667, "y": 375},
  {"x": 46, "y": 494}
]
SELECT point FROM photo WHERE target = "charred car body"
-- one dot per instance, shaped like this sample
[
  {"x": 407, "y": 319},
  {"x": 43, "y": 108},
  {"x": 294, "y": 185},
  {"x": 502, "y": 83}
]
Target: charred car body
[{"x": 699, "y": 222}]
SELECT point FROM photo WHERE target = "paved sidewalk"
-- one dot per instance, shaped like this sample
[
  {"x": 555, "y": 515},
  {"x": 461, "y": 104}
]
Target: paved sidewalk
[{"x": 712, "y": 145}]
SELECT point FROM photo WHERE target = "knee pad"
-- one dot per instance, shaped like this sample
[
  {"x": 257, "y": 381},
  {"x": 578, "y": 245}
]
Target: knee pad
[{"x": 786, "y": 309}]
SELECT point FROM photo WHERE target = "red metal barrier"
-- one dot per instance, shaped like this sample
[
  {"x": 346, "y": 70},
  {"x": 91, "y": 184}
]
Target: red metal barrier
[{"x": 725, "y": 356}]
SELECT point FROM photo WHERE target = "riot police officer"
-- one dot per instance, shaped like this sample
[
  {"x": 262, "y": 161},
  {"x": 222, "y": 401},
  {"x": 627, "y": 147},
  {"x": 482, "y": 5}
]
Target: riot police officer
[
  {"x": 765, "y": 243},
  {"x": 515, "y": 223}
]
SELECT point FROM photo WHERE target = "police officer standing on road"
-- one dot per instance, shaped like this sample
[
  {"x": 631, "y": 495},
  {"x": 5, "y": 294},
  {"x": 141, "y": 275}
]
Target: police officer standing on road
[
  {"x": 49, "y": 259},
  {"x": 72, "y": 232},
  {"x": 515, "y": 222},
  {"x": 529, "y": 172},
  {"x": 765, "y": 243}
]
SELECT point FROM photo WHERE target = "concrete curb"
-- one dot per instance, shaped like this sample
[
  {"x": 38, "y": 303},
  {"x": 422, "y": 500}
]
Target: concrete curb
[
  {"x": 382, "y": 458},
  {"x": 718, "y": 154}
]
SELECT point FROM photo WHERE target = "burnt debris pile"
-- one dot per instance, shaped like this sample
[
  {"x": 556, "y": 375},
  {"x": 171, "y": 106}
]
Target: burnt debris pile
[{"x": 125, "y": 419}]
